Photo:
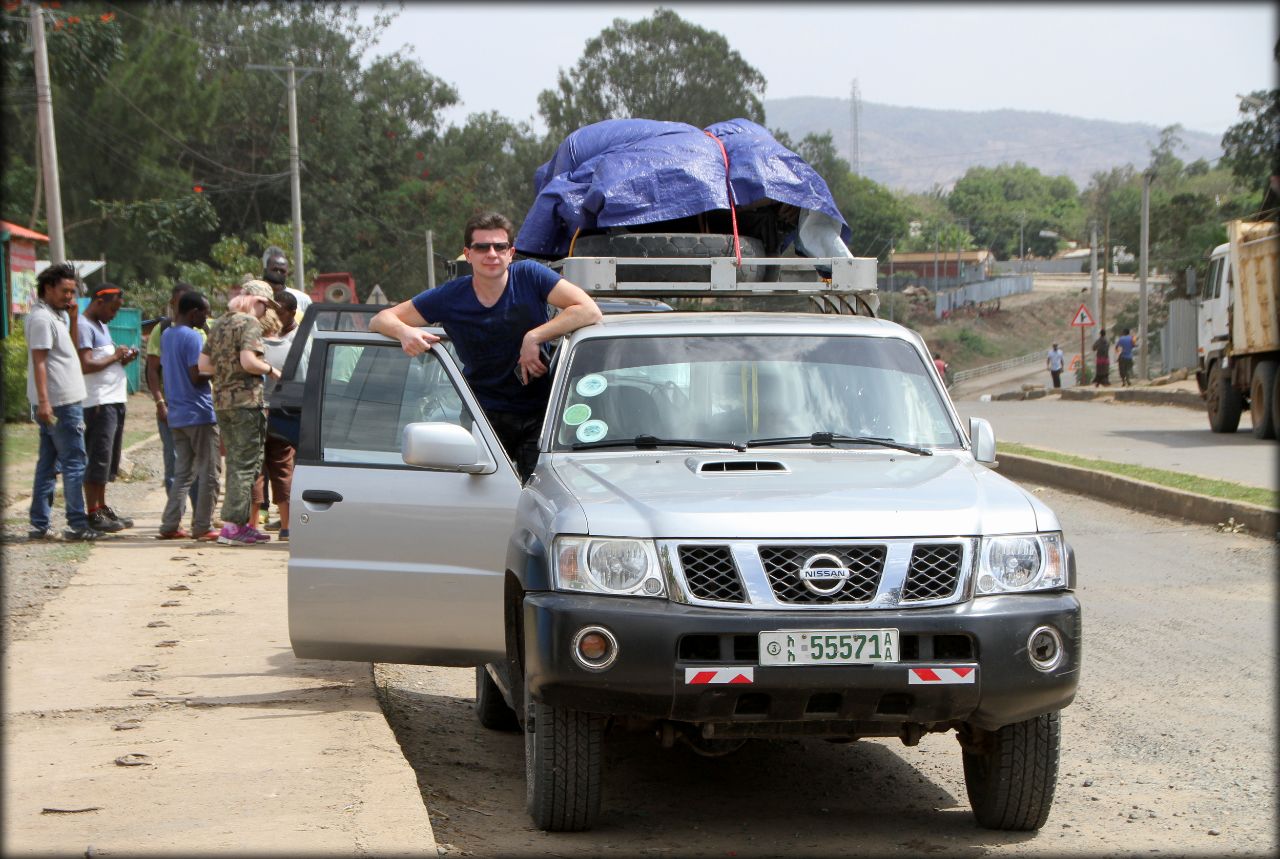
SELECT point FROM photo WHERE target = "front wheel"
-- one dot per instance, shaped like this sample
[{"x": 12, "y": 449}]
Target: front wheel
[
  {"x": 1224, "y": 401},
  {"x": 564, "y": 767},
  {"x": 1010, "y": 773}
]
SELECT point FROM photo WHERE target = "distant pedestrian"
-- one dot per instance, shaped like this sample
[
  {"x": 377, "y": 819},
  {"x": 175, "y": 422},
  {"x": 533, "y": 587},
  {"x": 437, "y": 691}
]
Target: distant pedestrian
[
  {"x": 192, "y": 421},
  {"x": 1102, "y": 360},
  {"x": 1124, "y": 350},
  {"x": 106, "y": 391},
  {"x": 275, "y": 271},
  {"x": 55, "y": 389},
  {"x": 233, "y": 356},
  {"x": 1055, "y": 361}
]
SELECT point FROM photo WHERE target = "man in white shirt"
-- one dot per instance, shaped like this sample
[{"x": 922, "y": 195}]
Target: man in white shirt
[
  {"x": 1054, "y": 360},
  {"x": 275, "y": 271},
  {"x": 106, "y": 390},
  {"x": 55, "y": 389}
]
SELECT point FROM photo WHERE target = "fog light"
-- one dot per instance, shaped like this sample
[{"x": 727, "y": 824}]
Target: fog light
[
  {"x": 595, "y": 648},
  {"x": 1044, "y": 648}
]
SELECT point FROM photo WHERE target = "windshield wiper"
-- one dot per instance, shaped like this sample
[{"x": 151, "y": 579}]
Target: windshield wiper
[
  {"x": 828, "y": 438},
  {"x": 648, "y": 441}
]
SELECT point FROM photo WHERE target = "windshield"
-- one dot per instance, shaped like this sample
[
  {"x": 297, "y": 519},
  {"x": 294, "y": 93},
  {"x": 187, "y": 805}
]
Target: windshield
[{"x": 735, "y": 389}]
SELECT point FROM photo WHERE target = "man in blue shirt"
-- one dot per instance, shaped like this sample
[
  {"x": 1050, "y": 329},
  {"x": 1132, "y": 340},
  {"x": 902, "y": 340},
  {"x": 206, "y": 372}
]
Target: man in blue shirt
[
  {"x": 1124, "y": 349},
  {"x": 496, "y": 318},
  {"x": 192, "y": 421}
]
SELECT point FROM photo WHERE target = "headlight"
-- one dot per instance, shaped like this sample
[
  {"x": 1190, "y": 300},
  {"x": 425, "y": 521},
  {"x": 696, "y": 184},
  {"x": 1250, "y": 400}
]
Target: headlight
[
  {"x": 1024, "y": 562},
  {"x": 608, "y": 566}
]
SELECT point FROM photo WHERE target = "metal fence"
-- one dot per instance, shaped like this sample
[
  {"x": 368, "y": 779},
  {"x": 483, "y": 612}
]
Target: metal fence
[
  {"x": 1178, "y": 337},
  {"x": 1009, "y": 364},
  {"x": 975, "y": 293}
]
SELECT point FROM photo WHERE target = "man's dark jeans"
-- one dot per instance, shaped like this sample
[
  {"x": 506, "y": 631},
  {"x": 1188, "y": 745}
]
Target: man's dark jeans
[
  {"x": 61, "y": 449},
  {"x": 519, "y": 436}
]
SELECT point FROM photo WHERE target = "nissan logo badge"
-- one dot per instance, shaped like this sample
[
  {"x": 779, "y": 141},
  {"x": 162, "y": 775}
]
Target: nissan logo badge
[{"x": 823, "y": 574}]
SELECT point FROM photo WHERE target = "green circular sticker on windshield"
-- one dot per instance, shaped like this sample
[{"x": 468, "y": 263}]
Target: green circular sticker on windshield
[
  {"x": 590, "y": 386},
  {"x": 592, "y": 431},
  {"x": 576, "y": 414}
]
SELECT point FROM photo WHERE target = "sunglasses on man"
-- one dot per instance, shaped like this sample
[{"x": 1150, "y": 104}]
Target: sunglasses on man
[{"x": 485, "y": 247}]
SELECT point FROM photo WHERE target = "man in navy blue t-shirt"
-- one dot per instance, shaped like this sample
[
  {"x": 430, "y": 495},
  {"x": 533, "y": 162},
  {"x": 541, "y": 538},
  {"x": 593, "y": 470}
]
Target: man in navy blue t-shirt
[{"x": 497, "y": 320}]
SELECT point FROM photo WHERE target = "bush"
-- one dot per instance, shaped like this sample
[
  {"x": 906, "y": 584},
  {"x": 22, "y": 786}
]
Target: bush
[{"x": 15, "y": 376}]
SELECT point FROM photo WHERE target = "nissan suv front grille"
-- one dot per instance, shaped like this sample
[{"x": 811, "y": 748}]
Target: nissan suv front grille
[
  {"x": 711, "y": 574},
  {"x": 855, "y": 577},
  {"x": 798, "y": 575},
  {"x": 934, "y": 571}
]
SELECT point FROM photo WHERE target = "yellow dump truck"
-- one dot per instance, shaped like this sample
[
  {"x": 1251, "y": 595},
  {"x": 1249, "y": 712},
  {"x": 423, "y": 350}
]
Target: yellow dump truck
[{"x": 1238, "y": 337}]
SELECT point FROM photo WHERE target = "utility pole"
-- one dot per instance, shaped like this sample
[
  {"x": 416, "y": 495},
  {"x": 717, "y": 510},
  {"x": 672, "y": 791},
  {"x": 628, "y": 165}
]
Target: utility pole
[
  {"x": 892, "y": 301},
  {"x": 1142, "y": 276},
  {"x": 49, "y": 146},
  {"x": 855, "y": 115},
  {"x": 1093, "y": 268},
  {"x": 1022, "y": 245},
  {"x": 935, "y": 261},
  {"x": 295, "y": 162},
  {"x": 431, "y": 261}
]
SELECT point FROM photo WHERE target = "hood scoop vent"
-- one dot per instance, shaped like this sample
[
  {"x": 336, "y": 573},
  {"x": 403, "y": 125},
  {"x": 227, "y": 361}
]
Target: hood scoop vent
[{"x": 738, "y": 466}]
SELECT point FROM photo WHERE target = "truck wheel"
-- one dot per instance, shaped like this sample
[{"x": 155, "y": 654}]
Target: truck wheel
[
  {"x": 1224, "y": 402},
  {"x": 1275, "y": 404},
  {"x": 491, "y": 707},
  {"x": 1262, "y": 399},
  {"x": 1010, "y": 775},
  {"x": 680, "y": 245},
  {"x": 564, "y": 763}
]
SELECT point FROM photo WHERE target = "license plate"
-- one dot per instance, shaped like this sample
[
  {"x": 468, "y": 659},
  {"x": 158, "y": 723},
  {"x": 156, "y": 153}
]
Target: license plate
[{"x": 829, "y": 647}]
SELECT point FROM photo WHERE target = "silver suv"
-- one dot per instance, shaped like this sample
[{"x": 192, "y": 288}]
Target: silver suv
[{"x": 741, "y": 525}]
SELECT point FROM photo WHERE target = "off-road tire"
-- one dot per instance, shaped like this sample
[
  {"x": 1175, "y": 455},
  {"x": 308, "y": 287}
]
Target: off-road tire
[
  {"x": 1010, "y": 782},
  {"x": 1223, "y": 401},
  {"x": 679, "y": 245},
  {"x": 564, "y": 767},
  {"x": 1262, "y": 396},
  {"x": 491, "y": 707}
]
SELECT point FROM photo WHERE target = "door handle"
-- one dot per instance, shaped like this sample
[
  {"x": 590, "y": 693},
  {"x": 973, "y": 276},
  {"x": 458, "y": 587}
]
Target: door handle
[{"x": 321, "y": 496}]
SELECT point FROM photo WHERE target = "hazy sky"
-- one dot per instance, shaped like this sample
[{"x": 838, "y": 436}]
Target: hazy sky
[{"x": 1156, "y": 63}]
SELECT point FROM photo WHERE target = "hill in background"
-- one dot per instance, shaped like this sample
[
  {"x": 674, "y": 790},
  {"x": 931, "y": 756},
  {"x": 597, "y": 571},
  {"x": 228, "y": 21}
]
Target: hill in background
[{"x": 912, "y": 149}]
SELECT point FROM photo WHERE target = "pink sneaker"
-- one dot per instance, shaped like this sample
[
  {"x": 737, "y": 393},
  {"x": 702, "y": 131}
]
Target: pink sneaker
[
  {"x": 253, "y": 535},
  {"x": 235, "y": 535}
]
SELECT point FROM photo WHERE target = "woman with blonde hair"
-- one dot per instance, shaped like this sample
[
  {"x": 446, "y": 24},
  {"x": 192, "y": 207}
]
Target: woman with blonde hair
[{"x": 233, "y": 353}]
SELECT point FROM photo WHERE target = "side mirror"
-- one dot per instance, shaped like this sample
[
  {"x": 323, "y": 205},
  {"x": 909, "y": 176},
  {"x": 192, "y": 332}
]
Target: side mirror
[
  {"x": 983, "y": 439},
  {"x": 443, "y": 446}
]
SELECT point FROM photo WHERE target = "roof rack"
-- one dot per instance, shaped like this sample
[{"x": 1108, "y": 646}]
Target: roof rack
[{"x": 850, "y": 276}]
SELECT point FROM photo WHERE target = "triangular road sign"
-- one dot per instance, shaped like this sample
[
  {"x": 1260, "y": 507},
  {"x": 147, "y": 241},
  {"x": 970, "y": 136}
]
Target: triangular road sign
[
  {"x": 1082, "y": 318},
  {"x": 1075, "y": 363}
]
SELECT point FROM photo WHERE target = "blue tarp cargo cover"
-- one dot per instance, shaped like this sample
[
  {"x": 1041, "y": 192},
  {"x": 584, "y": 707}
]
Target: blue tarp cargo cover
[{"x": 625, "y": 172}]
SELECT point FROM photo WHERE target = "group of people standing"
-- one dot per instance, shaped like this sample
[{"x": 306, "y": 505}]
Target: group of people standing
[
  {"x": 1055, "y": 360},
  {"x": 208, "y": 383}
]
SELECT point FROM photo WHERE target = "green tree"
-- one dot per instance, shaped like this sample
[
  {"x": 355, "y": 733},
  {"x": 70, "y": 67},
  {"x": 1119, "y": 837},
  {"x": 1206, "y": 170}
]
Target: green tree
[
  {"x": 1251, "y": 150},
  {"x": 661, "y": 67},
  {"x": 1007, "y": 207}
]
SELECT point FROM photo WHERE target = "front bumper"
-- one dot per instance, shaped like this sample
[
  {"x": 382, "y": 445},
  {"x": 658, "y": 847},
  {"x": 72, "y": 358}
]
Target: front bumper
[{"x": 659, "y": 640}]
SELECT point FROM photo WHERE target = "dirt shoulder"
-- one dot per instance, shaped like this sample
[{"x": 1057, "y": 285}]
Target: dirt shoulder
[{"x": 153, "y": 705}]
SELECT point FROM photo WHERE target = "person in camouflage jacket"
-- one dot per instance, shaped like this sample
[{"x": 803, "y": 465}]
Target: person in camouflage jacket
[{"x": 233, "y": 353}]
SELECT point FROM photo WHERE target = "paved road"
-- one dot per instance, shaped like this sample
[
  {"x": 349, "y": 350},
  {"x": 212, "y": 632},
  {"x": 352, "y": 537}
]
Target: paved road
[{"x": 1168, "y": 437}]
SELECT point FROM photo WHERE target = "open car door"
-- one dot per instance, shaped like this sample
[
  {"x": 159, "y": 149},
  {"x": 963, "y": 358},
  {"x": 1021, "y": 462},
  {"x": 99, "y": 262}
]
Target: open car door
[{"x": 392, "y": 562}]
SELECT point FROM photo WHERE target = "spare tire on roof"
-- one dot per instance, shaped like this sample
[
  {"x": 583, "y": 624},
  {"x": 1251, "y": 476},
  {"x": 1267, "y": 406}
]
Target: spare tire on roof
[{"x": 679, "y": 245}]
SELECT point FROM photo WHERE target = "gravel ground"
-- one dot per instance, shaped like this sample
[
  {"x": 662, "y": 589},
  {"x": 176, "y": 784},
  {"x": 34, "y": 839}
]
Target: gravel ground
[{"x": 36, "y": 572}]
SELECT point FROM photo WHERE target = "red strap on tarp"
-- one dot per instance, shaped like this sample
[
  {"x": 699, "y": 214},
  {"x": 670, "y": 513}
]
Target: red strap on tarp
[{"x": 733, "y": 206}]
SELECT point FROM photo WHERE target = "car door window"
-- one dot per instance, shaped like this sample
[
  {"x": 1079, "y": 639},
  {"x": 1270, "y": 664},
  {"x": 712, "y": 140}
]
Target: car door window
[{"x": 372, "y": 391}]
